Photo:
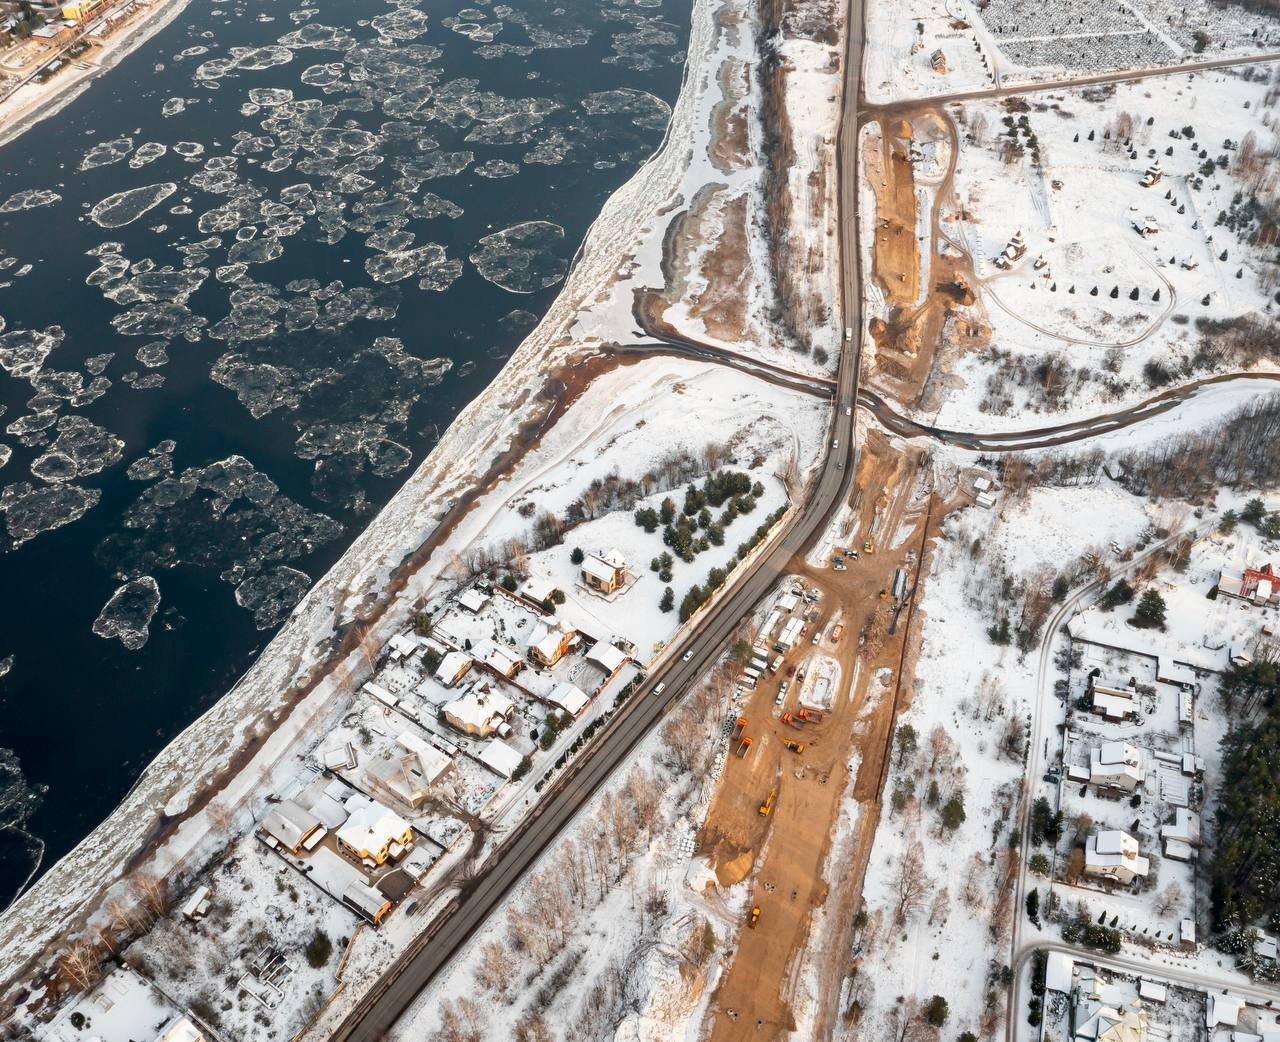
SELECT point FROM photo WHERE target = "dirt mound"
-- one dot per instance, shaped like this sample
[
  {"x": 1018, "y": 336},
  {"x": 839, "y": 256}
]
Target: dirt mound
[{"x": 735, "y": 870}]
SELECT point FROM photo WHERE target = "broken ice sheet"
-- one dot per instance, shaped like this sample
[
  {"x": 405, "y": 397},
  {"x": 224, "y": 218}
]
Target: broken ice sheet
[{"x": 126, "y": 617}]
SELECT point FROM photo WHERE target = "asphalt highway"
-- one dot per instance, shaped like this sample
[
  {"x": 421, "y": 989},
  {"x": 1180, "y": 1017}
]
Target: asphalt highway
[{"x": 708, "y": 639}]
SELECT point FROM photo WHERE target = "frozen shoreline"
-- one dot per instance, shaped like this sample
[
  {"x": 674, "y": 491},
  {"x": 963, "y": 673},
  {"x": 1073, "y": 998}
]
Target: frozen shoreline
[
  {"x": 25, "y": 109},
  {"x": 270, "y": 704}
]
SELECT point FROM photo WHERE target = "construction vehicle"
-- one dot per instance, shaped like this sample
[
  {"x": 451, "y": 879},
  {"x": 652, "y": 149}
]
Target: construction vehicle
[
  {"x": 868, "y": 547},
  {"x": 810, "y": 716},
  {"x": 836, "y": 630},
  {"x": 767, "y": 805},
  {"x": 794, "y": 746},
  {"x": 743, "y": 746},
  {"x": 884, "y": 595},
  {"x": 755, "y": 914},
  {"x": 792, "y": 721},
  {"x": 739, "y": 727}
]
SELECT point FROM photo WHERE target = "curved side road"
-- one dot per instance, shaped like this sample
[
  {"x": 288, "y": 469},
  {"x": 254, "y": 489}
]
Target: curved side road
[{"x": 1047, "y": 437}]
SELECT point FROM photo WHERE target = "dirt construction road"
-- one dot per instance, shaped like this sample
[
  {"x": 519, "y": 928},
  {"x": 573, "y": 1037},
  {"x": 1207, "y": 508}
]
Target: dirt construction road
[{"x": 785, "y": 853}]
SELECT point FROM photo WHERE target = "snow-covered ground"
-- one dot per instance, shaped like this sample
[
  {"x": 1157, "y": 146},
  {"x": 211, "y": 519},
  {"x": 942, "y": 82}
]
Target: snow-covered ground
[
  {"x": 1095, "y": 315},
  {"x": 619, "y": 928},
  {"x": 719, "y": 179},
  {"x": 1001, "y": 43},
  {"x": 968, "y": 695}
]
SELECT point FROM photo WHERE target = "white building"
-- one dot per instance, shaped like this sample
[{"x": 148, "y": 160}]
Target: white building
[
  {"x": 479, "y": 713},
  {"x": 180, "y": 1030},
  {"x": 1182, "y": 836},
  {"x": 408, "y": 773},
  {"x": 1116, "y": 765},
  {"x": 453, "y": 667},
  {"x": 569, "y": 698},
  {"x": 473, "y": 600},
  {"x": 607, "y": 656},
  {"x": 289, "y": 826},
  {"x": 373, "y": 833},
  {"x": 604, "y": 572},
  {"x": 1113, "y": 855}
]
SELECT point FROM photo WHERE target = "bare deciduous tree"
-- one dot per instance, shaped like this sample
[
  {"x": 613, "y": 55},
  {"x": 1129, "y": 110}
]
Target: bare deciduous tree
[
  {"x": 1170, "y": 898},
  {"x": 911, "y": 883},
  {"x": 80, "y": 966}
]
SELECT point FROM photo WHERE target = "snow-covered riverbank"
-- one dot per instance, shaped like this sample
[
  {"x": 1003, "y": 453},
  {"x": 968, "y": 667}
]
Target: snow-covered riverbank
[{"x": 287, "y": 698}]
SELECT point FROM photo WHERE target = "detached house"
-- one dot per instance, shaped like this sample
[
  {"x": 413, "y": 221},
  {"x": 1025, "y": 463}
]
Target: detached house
[
  {"x": 549, "y": 642},
  {"x": 604, "y": 572},
  {"x": 1113, "y": 855},
  {"x": 1115, "y": 765}
]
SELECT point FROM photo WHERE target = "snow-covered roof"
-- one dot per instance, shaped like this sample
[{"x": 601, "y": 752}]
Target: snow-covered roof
[
  {"x": 289, "y": 824},
  {"x": 1112, "y": 849},
  {"x": 1185, "y": 827},
  {"x": 1223, "y": 1010},
  {"x": 497, "y": 657},
  {"x": 546, "y": 640},
  {"x": 434, "y": 762},
  {"x": 479, "y": 711},
  {"x": 603, "y": 567},
  {"x": 365, "y": 899},
  {"x": 180, "y": 1030},
  {"x": 606, "y": 656},
  {"x": 473, "y": 600},
  {"x": 452, "y": 666},
  {"x": 403, "y": 645},
  {"x": 537, "y": 589},
  {"x": 371, "y": 826},
  {"x": 1058, "y": 972},
  {"x": 569, "y": 698},
  {"x": 1151, "y": 991},
  {"x": 1115, "y": 760},
  {"x": 500, "y": 757}
]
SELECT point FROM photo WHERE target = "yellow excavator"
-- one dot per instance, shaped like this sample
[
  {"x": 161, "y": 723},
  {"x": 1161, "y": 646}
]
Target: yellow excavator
[{"x": 767, "y": 805}]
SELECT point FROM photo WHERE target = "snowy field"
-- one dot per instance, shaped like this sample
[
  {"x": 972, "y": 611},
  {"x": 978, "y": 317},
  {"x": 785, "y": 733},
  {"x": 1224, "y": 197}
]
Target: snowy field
[
  {"x": 1006, "y": 42},
  {"x": 935, "y": 920},
  {"x": 1098, "y": 314}
]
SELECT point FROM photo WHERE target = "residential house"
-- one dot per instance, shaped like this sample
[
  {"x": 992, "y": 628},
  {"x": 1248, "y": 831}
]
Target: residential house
[
  {"x": 1257, "y": 585},
  {"x": 1113, "y": 1024},
  {"x": 550, "y": 641},
  {"x": 373, "y": 834},
  {"x": 1112, "y": 855},
  {"x": 473, "y": 600},
  {"x": 1182, "y": 835},
  {"x": 453, "y": 667},
  {"x": 180, "y": 1030},
  {"x": 408, "y": 773},
  {"x": 480, "y": 712},
  {"x": 1113, "y": 703},
  {"x": 604, "y": 572},
  {"x": 366, "y": 901},
  {"x": 497, "y": 657},
  {"x": 289, "y": 826},
  {"x": 1116, "y": 765}
]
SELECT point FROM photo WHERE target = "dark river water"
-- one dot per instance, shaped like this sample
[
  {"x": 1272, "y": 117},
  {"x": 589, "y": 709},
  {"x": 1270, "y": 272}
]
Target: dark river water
[{"x": 246, "y": 279}]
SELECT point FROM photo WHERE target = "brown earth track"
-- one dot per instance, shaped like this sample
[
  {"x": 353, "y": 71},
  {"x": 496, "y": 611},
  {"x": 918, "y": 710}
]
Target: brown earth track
[{"x": 789, "y": 850}]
